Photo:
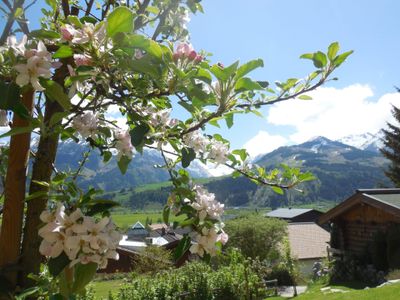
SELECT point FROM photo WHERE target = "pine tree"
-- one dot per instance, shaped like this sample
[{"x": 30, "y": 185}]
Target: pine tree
[{"x": 391, "y": 149}]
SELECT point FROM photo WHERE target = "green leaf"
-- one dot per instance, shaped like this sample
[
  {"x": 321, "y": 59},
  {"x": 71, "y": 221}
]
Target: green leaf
[
  {"x": 246, "y": 84},
  {"x": 83, "y": 274},
  {"x": 307, "y": 56},
  {"x": 57, "y": 117},
  {"x": 74, "y": 20},
  {"x": 16, "y": 130},
  {"x": 131, "y": 41},
  {"x": 341, "y": 58},
  {"x": 27, "y": 292},
  {"x": 183, "y": 246},
  {"x": 63, "y": 52},
  {"x": 123, "y": 164},
  {"x": 36, "y": 195},
  {"x": 224, "y": 74},
  {"x": 120, "y": 20},
  {"x": 241, "y": 152},
  {"x": 319, "y": 59},
  {"x": 204, "y": 75},
  {"x": 56, "y": 93},
  {"x": 44, "y": 34},
  {"x": 138, "y": 133},
  {"x": 56, "y": 297},
  {"x": 98, "y": 206},
  {"x": 166, "y": 212},
  {"x": 56, "y": 265},
  {"x": 333, "y": 50},
  {"x": 188, "y": 155},
  {"x": 229, "y": 120},
  {"x": 9, "y": 96},
  {"x": 304, "y": 97},
  {"x": 88, "y": 19},
  {"x": 277, "y": 190},
  {"x": 248, "y": 67}
]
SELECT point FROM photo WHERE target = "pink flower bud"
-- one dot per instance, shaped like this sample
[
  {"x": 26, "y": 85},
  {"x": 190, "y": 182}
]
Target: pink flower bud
[
  {"x": 184, "y": 49},
  {"x": 198, "y": 59},
  {"x": 66, "y": 34},
  {"x": 220, "y": 65},
  {"x": 82, "y": 60},
  {"x": 192, "y": 55},
  {"x": 176, "y": 57}
]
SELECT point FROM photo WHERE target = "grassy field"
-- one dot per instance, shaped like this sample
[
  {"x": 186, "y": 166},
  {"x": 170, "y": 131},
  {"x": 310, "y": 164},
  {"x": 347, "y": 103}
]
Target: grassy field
[
  {"x": 128, "y": 218},
  {"x": 102, "y": 288},
  {"x": 124, "y": 220},
  {"x": 391, "y": 292}
]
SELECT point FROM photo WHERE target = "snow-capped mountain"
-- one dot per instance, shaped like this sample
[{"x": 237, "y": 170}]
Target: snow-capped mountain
[{"x": 366, "y": 141}]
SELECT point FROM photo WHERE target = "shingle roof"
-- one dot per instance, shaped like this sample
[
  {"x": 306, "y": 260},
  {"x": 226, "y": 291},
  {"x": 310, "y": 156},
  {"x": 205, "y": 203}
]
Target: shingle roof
[
  {"x": 287, "y": 213},
  {"x": 307, "y": 240},
  {"x": 387, "y": 200}
]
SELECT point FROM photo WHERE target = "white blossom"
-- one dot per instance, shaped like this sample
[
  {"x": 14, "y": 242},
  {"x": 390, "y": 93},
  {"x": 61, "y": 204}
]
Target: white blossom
[
  {"x": 86, "y": 125},
  {"x": 218, "y": 152},
  {"x": 82, "y": 238},
  {"x": 196, "y": 140},
  {"x": 123, "y": 144},
  {"x": 17, "y": 47},
  {"x": 206, "y": 205},
  {"x": 38, "y": 64},
  {"x": 3, "y": 118}
]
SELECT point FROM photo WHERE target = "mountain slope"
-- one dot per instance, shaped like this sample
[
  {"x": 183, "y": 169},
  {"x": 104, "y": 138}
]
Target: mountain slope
[
  {"x": 108, "y": 177},
  {"x": 340, "y": 170}
]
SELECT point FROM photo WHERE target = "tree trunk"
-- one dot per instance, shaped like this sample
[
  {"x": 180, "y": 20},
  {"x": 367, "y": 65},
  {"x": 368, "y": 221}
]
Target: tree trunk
[
  {"x": 13, "y": 213},
  {"x": 41, "y": 171}
]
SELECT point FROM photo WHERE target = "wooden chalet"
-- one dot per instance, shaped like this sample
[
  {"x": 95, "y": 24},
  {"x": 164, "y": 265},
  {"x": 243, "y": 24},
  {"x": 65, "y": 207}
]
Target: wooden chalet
[{"x": 356, "y": 221}]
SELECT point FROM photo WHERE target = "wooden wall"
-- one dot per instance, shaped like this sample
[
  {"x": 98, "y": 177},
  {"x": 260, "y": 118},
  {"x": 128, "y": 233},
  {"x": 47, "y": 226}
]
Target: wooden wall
[{"x": 359, "y": 225}]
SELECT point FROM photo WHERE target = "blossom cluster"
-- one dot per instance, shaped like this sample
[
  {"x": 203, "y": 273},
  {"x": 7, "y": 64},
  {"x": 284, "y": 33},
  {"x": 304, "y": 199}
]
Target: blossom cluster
[
  {"x": 185, "y": 52},
  {"x": 206, "y": 241},
  {"x": 36, "y": 62},
  {"x": 210, "y": 148},
  {"x": 86, "y": 124},
  {"x": 88, "y": 33},
  {"x": 80, "y": 237},
  {"x": 123, "y": 144},
  {"x": 207, "y": 207}
]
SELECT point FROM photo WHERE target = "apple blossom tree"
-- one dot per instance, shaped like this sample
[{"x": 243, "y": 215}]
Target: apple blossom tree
[{"x": 58, "y": 82}]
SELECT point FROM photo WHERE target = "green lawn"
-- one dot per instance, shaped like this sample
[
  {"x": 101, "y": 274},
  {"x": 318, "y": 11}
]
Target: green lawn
[
  {"x": 391, "y": 292},
  {"x": 102, "y": 288}
]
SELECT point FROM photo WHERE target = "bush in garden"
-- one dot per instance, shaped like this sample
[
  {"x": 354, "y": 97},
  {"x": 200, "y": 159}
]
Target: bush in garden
[
  {"x": 198, "y": 281},
  {"x": 257, "y": 236}
]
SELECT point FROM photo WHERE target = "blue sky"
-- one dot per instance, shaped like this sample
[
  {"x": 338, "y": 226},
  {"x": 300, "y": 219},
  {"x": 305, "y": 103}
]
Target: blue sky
[{"x": 278, "y": 31}]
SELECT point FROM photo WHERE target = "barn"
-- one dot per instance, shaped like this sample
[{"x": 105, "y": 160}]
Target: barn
[{"x": 366, "y": 221}]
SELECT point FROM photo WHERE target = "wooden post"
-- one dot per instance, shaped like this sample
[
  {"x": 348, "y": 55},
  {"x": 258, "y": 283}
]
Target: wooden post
[{"x": 13, "y": 213}]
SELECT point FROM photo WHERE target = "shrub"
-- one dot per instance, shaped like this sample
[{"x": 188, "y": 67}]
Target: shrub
[
  {"x": 198, "y": 281},
  {"x": 256, "y": 236}
]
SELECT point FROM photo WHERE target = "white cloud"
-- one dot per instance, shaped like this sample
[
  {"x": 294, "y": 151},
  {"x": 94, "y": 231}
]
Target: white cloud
[
  {"x": 263, "y": 142},
  {"x": 335, "y": 113}
]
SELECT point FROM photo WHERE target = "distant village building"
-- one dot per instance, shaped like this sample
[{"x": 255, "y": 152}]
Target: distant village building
[
  {"x": 308, "y": 242},
  {"x": 295, "y": 214},
  {"x": 137, "y": 232},
  {"x": 357, "y": 222}
]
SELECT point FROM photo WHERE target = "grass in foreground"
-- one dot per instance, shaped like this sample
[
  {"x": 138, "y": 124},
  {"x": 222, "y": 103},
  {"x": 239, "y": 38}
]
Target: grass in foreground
[
  {"x": 390, "y": 292},
  {"x": 102, "y": 288}
]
